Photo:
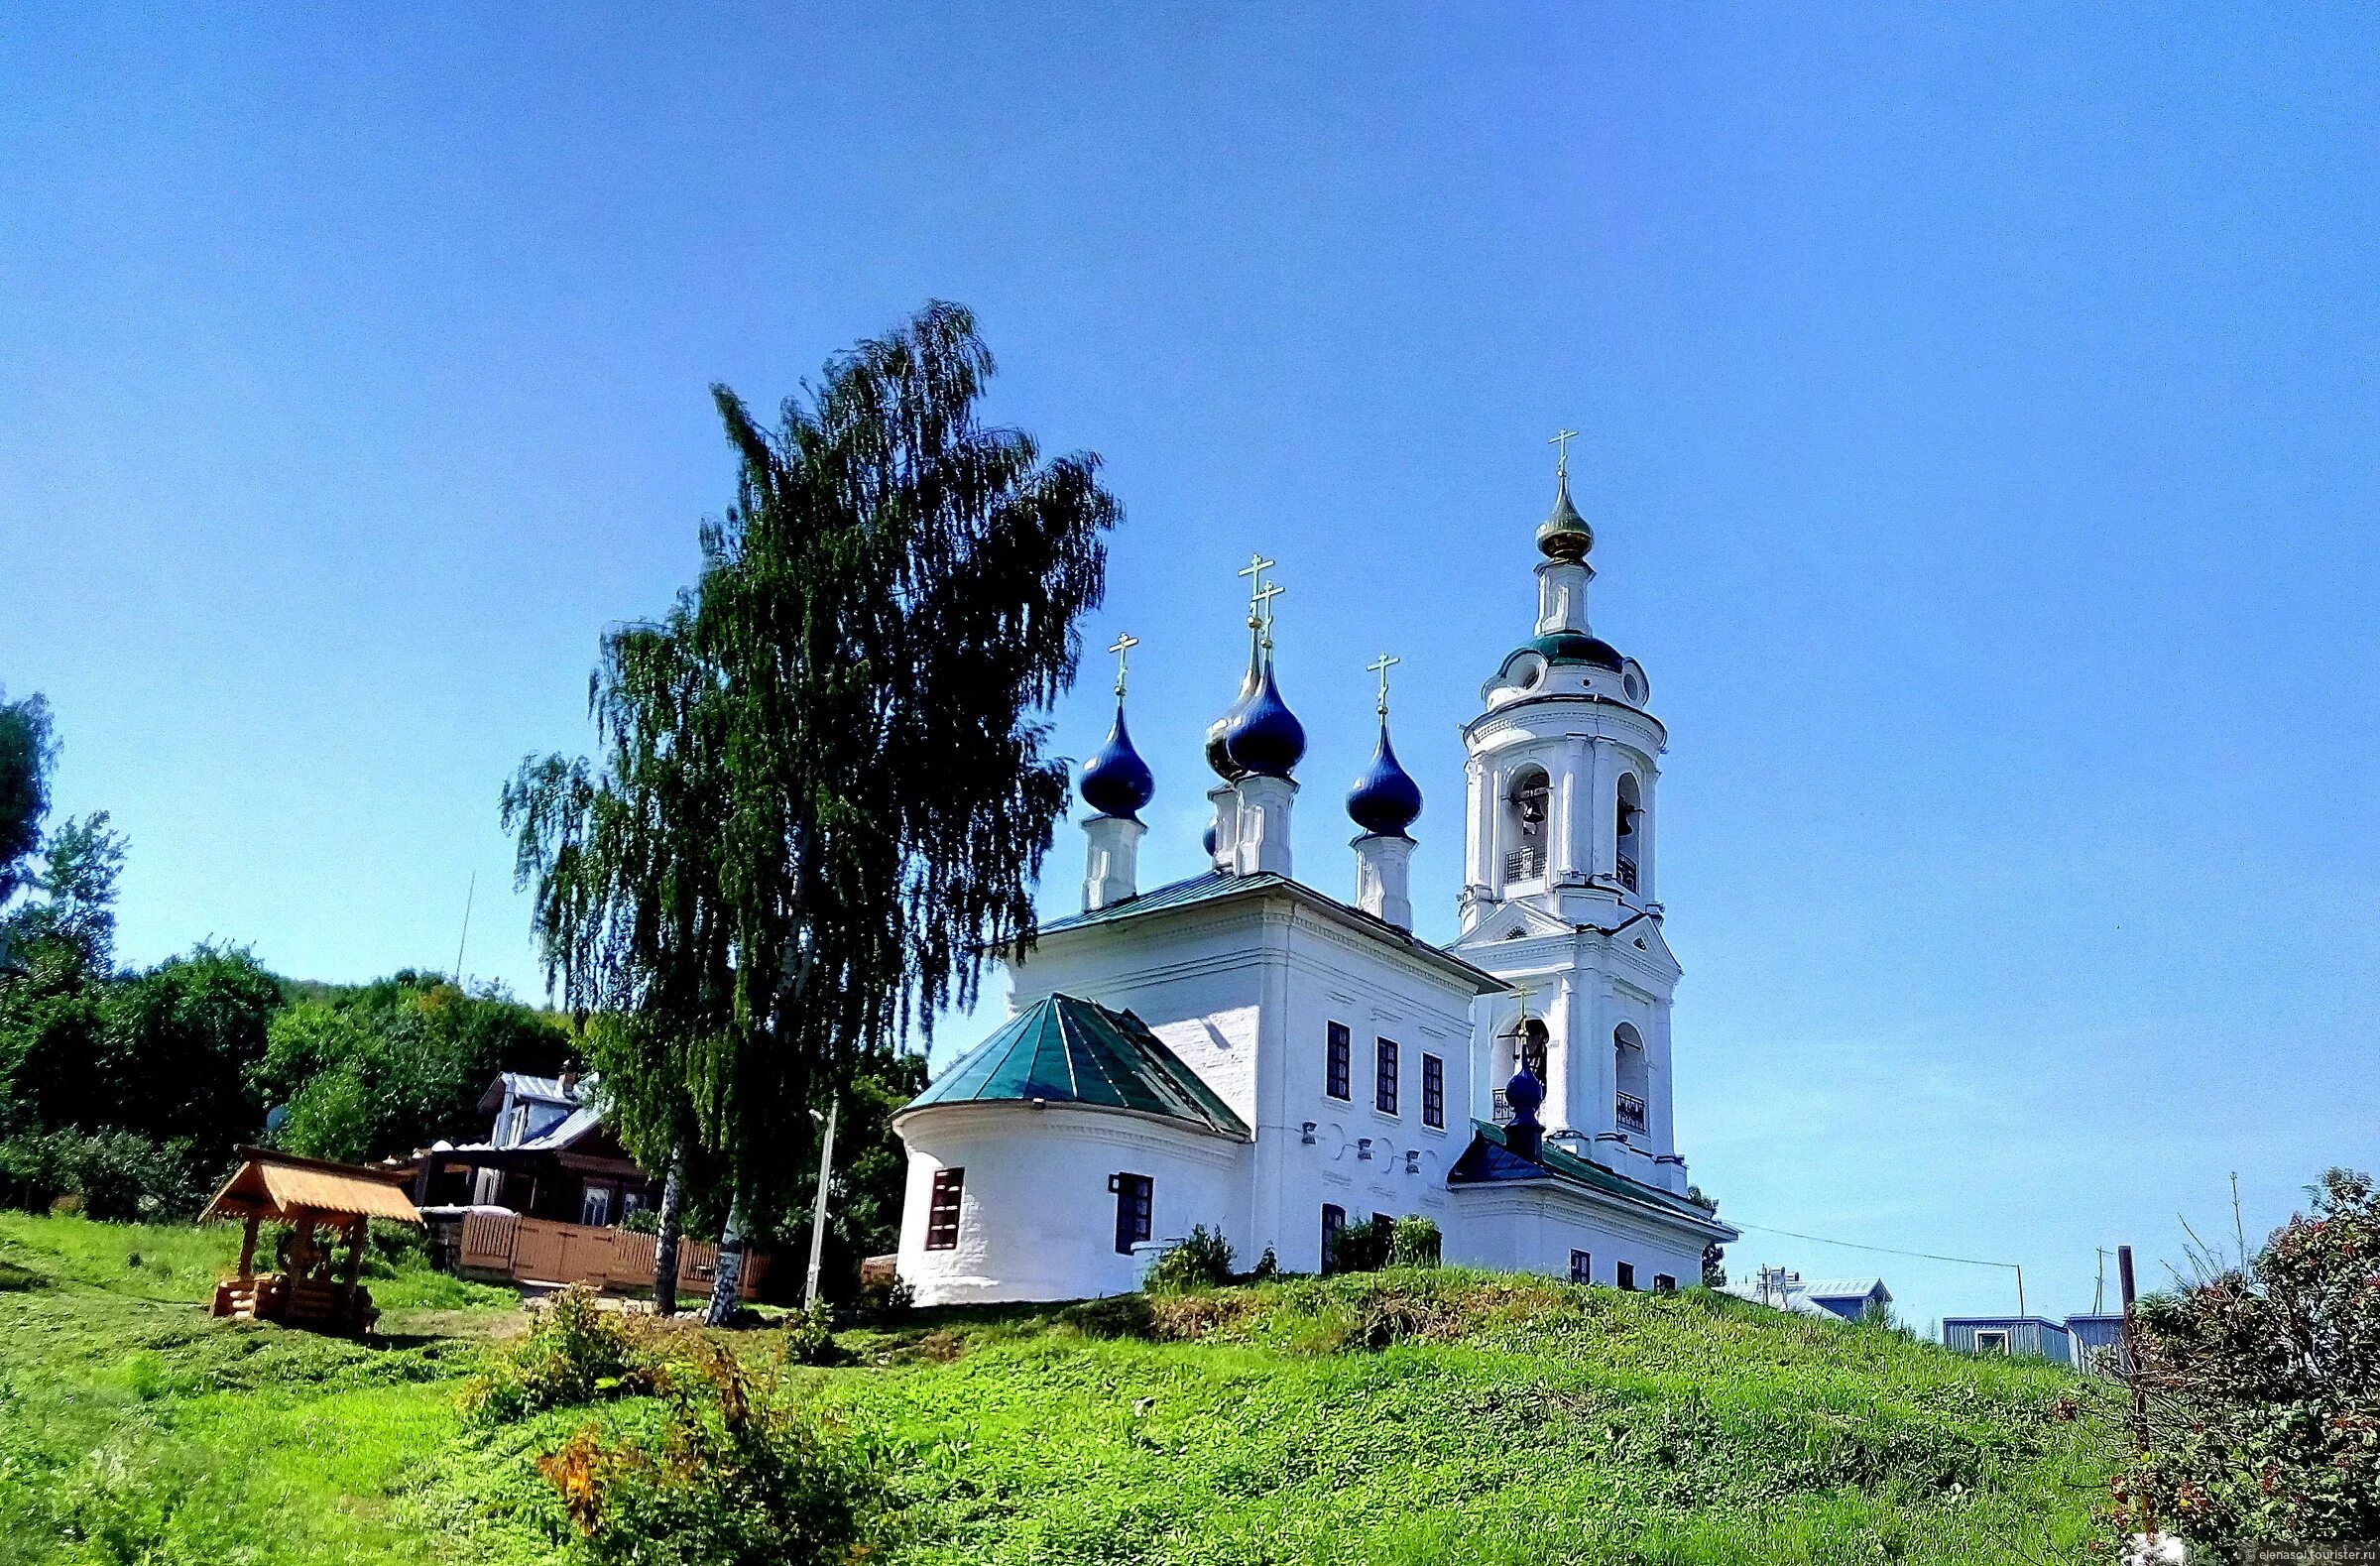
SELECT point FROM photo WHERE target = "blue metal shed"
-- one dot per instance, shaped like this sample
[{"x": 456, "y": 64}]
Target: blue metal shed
[
  {"x": 2021, "y": 1334},
  {"x": 2091, "y": 1334}
]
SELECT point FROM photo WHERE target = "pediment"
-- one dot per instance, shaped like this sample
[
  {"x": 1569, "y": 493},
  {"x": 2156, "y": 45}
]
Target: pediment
[{"x": 1513, "y": 921}]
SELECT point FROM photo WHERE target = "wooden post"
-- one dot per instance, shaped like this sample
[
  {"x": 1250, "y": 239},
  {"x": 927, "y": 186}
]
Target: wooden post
[
  {"x": 248, "y": 1246},
  {"x": 2140, "y": 1394},
  {"x": 355, "y": 1268}
]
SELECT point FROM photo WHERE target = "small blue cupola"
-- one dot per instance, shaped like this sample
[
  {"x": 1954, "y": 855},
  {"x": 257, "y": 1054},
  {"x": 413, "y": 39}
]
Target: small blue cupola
[
  {"x": 1386, "y": 800},
  {"x": 1219, "y": 732},
  {"x": 1524, "y": 1134},
  {"x": 1115, "y": 782},
  {"x": 1262, "y": 736}
]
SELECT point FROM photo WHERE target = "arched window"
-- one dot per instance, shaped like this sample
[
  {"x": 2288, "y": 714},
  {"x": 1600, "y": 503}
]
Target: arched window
[
  {"x": 1627, "y": 1060},
  {"x": 1531, "y": 800},
  {"x": 1628, "y": 812}
]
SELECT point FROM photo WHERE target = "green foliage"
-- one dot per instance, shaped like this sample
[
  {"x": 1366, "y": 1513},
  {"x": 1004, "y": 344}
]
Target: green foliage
[
  {"x": 1413, "y": 1242},
  {"x": 736, "y": 1476},
  {"x": 28, "y": 749},
  {"x": 1203, "y": 1259},
  {"x": 574, "y": 1352},
  {"x": 823, "y": 794},
  {"x": 1360, "y": 1246},
  {"x": 163, "y": 1056},
  {"x": 808, "y": 1337},
  {"x": 2264, "y": 1386},
  {"x": 115, "y": 1174},
  {"x": 394, "y": 1065}
]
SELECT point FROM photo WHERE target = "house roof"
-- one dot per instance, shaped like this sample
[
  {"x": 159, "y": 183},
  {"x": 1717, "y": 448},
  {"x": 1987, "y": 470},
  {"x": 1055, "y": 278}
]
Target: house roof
[
  {"x": 1846, "y": 1289},
  {"x": 1066, "y": 1050},
  {"x": 1215, "y": 886},
  {"x": 537, "y": 1090},
  {"x": 1489, "y": 1159},
  {"x": 279, "y": 1185}
]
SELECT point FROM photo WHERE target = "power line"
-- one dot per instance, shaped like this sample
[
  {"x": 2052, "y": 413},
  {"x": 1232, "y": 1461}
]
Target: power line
[{"x": 1925, "y": 1256}]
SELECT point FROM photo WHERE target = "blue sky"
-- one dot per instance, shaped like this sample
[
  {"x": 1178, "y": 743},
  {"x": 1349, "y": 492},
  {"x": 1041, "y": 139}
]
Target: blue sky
[{"x": 1978, "y": 409}]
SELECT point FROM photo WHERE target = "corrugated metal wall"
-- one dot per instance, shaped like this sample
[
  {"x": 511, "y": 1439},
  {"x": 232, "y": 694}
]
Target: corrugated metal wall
[{"x": 2026, "y": 1335}]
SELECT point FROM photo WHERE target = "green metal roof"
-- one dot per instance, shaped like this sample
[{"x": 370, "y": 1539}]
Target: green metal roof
[
  {"x": 1179, "y": 893},
  {"x": 1065, "y": 1050},
  {"x": 1489, "y": 1159}
]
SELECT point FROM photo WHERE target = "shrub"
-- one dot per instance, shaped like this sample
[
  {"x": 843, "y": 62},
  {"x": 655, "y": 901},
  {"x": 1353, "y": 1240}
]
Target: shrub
[
  {"x": 2263, "y": 1385},
  {"x": 1358, "y": 1248},
  {"x": 574, "y": 1352},
  {"x": 741, "y": 1478},
  {"x": 116, "y": 1175},
  {"x": 1203, "y": 1259},
  {"x": 1268, "y": 1268},
  {"x": 888, "y": 1299},
  {"x": 810, "y": 1335},
  {"x": 1413, "y": 1242}
]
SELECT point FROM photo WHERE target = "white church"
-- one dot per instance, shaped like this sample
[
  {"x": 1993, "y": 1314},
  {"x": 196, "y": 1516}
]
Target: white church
[{"x": 1246, "y": 1052}]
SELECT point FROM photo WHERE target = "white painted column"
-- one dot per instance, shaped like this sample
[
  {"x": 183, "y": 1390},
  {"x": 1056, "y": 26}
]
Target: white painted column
[
  {"x": 1262, "y": 840},
  {"x": 1383, "y": 872},
  {"x": 1226, "y": 826},
  {"x": 1574, "y": 787},
  {"x": 1112, "y": 859}
]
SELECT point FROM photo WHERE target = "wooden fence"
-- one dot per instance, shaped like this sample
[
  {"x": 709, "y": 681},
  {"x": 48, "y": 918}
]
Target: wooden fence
[{"x": 540, "y": 1250}]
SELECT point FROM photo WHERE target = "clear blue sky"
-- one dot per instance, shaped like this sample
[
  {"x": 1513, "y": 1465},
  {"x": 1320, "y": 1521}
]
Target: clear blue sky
[{"x": 1979, "y": 419}]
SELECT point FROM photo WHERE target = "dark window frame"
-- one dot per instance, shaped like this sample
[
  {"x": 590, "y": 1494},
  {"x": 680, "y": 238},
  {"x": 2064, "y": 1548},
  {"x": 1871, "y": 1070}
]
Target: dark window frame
[
  {"x": 1432, "y": 1091},
  {"x": 1663, "y": 1284},
  {"x": 1582, "y": 1265},
  {"x": 1135, "y": 1210},
  {"x": 1334, "y": 1219},
  {"x": 942, "y": 1207},
  {"x": 1385, "y": 1069},
  {"x": 1628, "y": 1277},
  {"x": 1338, "y": 1061}
]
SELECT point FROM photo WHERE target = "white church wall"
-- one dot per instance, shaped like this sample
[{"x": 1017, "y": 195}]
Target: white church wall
[
  {"x": 1243, "y": 994},
  {"x": 1534, "y": 1227},
  {"x": 1036, "y": 1219}
]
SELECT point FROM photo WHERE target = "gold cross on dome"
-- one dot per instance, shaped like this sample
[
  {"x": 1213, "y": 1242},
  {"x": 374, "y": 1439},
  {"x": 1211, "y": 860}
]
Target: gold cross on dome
[
  {"x": 1522, "y": 992},
  {"x": 1262, "y": 599},
  {"x": 1381, "y": 666},
  {"x": 1124, "y": 652},
  {"x": 1561, "y": 444}
]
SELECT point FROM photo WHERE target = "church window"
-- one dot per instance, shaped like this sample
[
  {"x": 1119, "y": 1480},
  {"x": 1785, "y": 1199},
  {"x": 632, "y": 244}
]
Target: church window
[
  {"x": 1665, "y": 1285},
  {"x": 1336, "y": 1063},
  {"x": 1532, "y": 800},
  {"x": 1334, "y": 1219},
  {"x": 1627, "y": 1274},
  {"x": 1383, "y": 1087},
  {"x": 1582, "y": 1267},
  {"x": 942, "y": 1210},
  {"x": 1628, "y": 812},
  {"x": 1135, "y": 1202},
  {"x": 1628, "y": 1072},
  {"x": 1433, "y": 1092},
  {"x": 1531, "y": 1048}
]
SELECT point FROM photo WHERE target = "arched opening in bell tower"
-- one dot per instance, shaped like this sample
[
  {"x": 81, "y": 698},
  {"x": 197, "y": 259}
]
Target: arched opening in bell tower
[
  {"x": 1530, "y": 803},
  {"x": 1626, "y": 814},
  {"x": 1628, "y": 1073}
]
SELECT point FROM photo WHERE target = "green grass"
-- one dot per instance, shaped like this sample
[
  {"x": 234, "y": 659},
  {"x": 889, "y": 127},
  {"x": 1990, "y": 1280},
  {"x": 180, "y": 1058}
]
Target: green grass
[{"x": 1405, "y": 1417}]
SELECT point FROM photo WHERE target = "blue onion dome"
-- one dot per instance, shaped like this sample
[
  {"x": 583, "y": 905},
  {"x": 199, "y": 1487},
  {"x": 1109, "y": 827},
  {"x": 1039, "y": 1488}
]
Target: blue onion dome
[
  {"x": 1564, "y": 534},
  {"x": 1208, "y": 837},
  {"x": 1526, "y": 1095},
  {"x": 1386, "y": 799},
  {"x": 1116, "y": 780},
  {"x": 1218, "y": 757},
  {"x": 1263, "y": 736}
]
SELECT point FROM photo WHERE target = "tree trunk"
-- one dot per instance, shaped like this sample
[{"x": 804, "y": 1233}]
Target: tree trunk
[
  {"x": 730, "y": 1269},
  {"x": 665, "y": 1242}
]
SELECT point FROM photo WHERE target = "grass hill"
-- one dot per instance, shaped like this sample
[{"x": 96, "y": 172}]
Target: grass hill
[{"x": 1441, "y": 1416}]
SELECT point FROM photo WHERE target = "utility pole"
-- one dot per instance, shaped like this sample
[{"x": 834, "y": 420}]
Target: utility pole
[
  {"x": 826, "y": 1167},
  {"x": 2140, "y": 1394}
]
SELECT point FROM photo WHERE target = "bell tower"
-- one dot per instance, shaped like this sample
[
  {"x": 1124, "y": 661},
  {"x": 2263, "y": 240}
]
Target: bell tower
[{"x": 1559, "y": 891}]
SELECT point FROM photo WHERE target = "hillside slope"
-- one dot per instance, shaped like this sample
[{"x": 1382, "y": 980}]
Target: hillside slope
[{"x": 1420, "y": 1416}]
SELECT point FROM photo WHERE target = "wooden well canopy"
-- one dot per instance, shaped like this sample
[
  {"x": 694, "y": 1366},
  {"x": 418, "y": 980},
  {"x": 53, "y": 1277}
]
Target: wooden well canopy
[
  {"x": 282, "y": 1186},
  {"x": 310, "y": 1195}
]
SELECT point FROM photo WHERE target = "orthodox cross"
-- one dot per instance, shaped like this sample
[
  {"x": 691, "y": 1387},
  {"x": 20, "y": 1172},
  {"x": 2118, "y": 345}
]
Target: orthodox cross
[
  {"x": 1124, "y": 652},
  {"x": 1523, "y": 990},
  {"x": 1255, "y": 568},
  {"x": 1561, "y": 444},
  {"x": 1381, "y": 666},
  {"x": 1263, "y": 597}
]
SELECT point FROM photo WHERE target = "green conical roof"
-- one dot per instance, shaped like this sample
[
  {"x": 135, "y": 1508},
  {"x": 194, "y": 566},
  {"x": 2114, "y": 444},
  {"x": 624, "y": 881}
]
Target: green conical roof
[{"x": 1065, "y": 1050}]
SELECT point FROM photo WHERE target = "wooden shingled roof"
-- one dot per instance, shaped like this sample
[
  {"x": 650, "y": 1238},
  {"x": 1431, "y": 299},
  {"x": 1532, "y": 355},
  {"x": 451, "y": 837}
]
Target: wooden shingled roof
[{"x": 279, "y": 1185}]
